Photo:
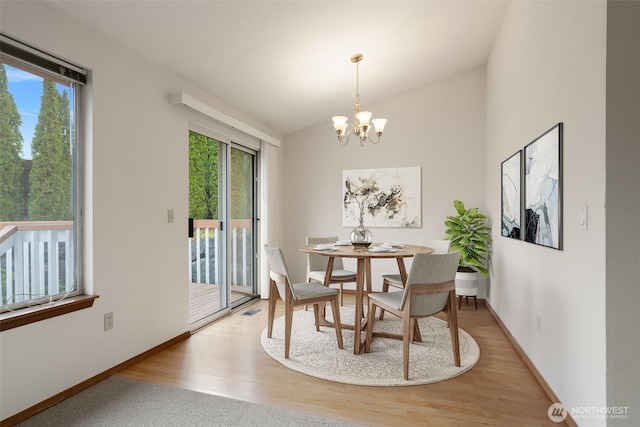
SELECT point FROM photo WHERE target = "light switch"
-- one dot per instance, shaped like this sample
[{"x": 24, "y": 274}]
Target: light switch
[
  {"x": 584, "y": 218},
  {"x": 170, "y": 216}
]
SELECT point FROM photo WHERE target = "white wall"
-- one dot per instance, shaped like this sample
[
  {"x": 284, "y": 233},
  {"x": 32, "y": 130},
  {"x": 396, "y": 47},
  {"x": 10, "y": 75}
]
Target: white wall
[
  {"x": 136, "y": 168},
  {"x": 548, "y": 66},
  {"x": 439, "y": 127}
]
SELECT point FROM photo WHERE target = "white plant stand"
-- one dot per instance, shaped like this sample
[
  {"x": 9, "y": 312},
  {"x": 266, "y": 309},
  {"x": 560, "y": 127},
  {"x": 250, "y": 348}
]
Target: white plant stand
[{"x": 467, "y": 286}]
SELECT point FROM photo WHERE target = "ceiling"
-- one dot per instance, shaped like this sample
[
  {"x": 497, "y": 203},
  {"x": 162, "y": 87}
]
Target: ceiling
[{"x": 287, "y": 63}]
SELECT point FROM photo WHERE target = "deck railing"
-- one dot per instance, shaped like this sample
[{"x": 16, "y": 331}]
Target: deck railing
[
  {"x": 36, "y": 259},
  {"x": 205, "y": 250}
]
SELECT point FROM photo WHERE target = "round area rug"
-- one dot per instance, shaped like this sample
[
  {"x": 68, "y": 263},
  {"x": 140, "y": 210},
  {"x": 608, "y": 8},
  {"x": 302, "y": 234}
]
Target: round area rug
[{"x": 317, "y": 354}]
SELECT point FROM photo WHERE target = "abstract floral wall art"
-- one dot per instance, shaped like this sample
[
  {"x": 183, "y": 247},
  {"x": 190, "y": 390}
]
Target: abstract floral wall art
[
  {"x": 388, "y": 197},
  {"x": 543, "y": 189},
  {"x": 511, "y": 196}
]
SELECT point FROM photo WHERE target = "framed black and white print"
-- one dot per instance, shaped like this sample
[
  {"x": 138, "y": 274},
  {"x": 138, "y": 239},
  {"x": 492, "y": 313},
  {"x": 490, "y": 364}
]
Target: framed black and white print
[
  {"x": 389, "y": 197},
  {"x": 543, "y": 189},
  {"x": 511, "y": 172}
]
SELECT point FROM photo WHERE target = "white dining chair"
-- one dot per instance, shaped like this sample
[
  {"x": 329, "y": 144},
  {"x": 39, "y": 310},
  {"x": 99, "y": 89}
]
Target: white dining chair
[
  {"x": 430, "y": 289},
  {"x": 395, "y": 280},
  {"x": 317, "y": 266},
  {"x": 297, "y": 294}
]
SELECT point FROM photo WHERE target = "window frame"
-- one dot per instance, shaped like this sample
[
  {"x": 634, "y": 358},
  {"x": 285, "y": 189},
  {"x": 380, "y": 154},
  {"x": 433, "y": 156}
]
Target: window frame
[{"x": 20, "y": 55}]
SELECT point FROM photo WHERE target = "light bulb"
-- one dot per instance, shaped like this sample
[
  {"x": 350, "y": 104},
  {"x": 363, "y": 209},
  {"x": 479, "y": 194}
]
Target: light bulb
[
  {"x": 339, "y": 123},
  {"x": 379, "y": 125},
  {"x": 363, "y": 118}
]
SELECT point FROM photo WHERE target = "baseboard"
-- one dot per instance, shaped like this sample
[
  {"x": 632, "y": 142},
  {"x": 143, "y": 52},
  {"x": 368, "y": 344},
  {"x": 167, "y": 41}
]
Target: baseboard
[
  {"x": 353, "y": 292},
  {"x": 45, "y": 404},
  {"x": 554, "y": 398}
]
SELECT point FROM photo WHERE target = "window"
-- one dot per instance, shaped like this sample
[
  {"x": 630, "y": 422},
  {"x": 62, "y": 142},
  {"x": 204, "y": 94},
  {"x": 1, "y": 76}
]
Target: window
[{"x": 39, "y": 227}]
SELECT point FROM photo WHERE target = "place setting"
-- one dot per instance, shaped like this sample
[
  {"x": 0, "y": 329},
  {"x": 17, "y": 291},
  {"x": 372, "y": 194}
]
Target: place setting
[
  {"x": 325, "y": 247},
  {"x": 387, "y": 247}
]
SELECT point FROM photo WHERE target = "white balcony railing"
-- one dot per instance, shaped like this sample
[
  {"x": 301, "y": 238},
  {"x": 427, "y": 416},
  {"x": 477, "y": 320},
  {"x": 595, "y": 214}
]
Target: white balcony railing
[
  {"x": 205, "y": 250},
  {"x": 36, "y": 259}
]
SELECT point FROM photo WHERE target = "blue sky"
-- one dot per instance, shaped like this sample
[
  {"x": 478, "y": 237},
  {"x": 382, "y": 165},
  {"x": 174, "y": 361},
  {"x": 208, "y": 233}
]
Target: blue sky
[{"x": 26, "y": 89}]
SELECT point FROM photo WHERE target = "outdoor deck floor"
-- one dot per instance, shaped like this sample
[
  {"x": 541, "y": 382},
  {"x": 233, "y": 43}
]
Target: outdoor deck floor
[{"x": 205, "y": 299}]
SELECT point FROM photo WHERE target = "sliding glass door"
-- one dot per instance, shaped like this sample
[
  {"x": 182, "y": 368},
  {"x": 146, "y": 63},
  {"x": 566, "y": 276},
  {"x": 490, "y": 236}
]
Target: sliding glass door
[
  {"x": 242, "y": 200},
  {"x": 222, "y": 242}
]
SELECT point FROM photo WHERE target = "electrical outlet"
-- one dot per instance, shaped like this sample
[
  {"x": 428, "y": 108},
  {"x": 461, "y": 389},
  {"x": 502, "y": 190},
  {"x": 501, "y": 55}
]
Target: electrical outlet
[
  {"x": 108, "y": 321},
  {"x": 538, "y": 323}
]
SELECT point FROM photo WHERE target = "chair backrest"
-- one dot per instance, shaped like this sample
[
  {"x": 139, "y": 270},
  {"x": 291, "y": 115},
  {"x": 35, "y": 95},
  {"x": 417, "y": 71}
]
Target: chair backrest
[
  {"x": 439, "y": 246},
  {"x": 279, "y": 267},
  {"x": 430, "y": 269},
  {"x": 319, "y": 262}
]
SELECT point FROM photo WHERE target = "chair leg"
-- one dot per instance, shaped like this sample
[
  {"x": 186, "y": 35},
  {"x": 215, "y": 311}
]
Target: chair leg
[
  {"x": 273, "y": 296},
  {"x": 385, "y": 288},
  {"x": 417, "y": 336},
  {"x": 306, "y": 306},
  {"x": 406, "y": 339},
  {"x": 288, "y": 320},
  {"x": 336, "y": 321},
  {"x": 316, "y": 315},
  {"x": 452, "y": 317},
  {"x": 341, "y": 294}
]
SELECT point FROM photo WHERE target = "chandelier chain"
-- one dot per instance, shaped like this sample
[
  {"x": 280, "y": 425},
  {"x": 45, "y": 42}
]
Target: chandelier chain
[
  {"x": 356, "y": 94},
  {"x": 362, "y": 123}
]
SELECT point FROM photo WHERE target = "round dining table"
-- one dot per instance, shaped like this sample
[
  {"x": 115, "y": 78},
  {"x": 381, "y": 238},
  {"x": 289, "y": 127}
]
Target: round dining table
[{"x": 363, "y": 274}]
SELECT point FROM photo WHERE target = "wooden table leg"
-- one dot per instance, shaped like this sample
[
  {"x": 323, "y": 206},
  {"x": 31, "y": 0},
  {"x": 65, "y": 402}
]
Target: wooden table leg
[
  {"x": 367, "y": 271},
  {"x": 403, "y": 270},
  {"x": 328, "y": 272},
  {"x": 360, "y": 278},
  {"x": 327, "y": 282}
]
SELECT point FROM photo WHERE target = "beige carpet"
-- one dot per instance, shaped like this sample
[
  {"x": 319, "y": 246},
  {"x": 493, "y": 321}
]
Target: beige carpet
[
  {"x": 317, "y": 354},
  {"x": 122, "y": 402}
]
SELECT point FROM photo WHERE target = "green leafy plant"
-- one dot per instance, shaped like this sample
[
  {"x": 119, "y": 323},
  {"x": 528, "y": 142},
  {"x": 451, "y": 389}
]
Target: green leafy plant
[{"x": 469, "y": 234}]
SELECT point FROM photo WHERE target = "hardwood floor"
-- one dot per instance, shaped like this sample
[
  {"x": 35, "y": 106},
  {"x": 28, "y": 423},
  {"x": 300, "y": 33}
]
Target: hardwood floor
[{"x": 227, "y": 359}]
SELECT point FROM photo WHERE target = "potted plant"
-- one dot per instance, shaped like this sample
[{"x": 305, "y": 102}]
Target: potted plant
[{"x": 470, "y": 235}]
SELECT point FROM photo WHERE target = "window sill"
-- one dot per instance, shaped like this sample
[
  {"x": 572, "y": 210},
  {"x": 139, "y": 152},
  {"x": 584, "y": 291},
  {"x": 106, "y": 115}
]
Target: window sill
[{"x": 25, "y": 316}]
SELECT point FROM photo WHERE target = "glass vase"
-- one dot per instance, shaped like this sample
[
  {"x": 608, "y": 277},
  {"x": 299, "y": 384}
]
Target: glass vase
[{"x": 361, "y": 237}]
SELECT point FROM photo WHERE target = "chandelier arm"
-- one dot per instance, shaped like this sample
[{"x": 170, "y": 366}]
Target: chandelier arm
[
  {"x": 344, "y": 141},
  {"x": 377, "y": 140}
]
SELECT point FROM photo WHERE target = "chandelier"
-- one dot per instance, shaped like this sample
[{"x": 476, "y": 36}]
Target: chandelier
[{"x": 361, "y": 122}]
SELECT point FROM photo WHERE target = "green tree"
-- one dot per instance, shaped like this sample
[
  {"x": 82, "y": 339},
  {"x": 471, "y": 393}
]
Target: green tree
[
  {"x": 204, "y": 180},
  {"x": 66, "y": 119},
  {"x": 12, "y": 205},
  {"x": 203, "y": 177},
  {"x": 241, "y": 184},
  {"x": 50, "y": 180}
]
